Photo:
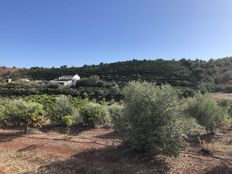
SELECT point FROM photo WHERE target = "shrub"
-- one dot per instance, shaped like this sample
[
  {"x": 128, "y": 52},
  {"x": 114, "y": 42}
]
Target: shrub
[
  {"x": 227, "y": 76},
  {"x": 68, "y": 120},
  {"x": 116, "y": 111},
  {"x": 60, "y": 108},
  {"x": 206, "y": 111},
  {"x": 27, "y": 113},
  {"x": 3, "y": 108},
  {"x": 151, "y": 119},
  {"x": 94, "y": 115},
  {"x": 227, "y": 104},
  {"x": 186, "y": 92}
]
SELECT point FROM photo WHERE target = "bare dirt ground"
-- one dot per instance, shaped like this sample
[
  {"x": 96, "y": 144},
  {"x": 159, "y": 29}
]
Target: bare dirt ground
[
  {"x": 221, "y": 96},
  {"x": 100, "y": 151}
]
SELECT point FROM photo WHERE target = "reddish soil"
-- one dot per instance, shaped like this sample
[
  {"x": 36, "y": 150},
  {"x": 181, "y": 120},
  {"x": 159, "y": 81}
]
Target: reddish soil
[
  {"x": 7, "y": 71},
  {"x": 100, "y": 151}
]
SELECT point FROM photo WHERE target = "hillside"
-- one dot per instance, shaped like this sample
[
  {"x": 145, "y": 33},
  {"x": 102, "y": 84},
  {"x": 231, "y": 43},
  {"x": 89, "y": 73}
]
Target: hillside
[
  {"x": 172, "y": 72},
  {"x": 212, "y": 75},
  {"x": 6, "y": 72}
]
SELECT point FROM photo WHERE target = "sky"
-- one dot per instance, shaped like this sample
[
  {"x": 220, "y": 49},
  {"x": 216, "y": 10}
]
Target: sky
[{"x": 77, "y": 32}]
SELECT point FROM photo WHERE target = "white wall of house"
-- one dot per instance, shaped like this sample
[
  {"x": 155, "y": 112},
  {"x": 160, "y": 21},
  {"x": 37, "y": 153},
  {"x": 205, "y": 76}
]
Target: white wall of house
[
  {"x": 67, "y": 80},
  {"x": 24, "y": 80},
  {"x": 75, "y": 79},
  {"x": 65, "y": 83}
]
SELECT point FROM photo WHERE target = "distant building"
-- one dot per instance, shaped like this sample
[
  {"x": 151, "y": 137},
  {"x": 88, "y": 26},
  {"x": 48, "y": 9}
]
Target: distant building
[
  {"x": 9, "y": 80},
  {"x": 66, "y": 80},
  {"x": 24, "y": 80},
  {"x": 38, "y": 81}
]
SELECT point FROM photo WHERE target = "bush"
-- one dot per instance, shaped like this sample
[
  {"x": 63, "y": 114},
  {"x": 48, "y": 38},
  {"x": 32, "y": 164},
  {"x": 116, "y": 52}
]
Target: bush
[
  {"x": 27, "y": 113},
  {"x": 68, "y": 120},
  {"x": 227, "y": 76},
  {"x": 206, "y": 111},
  {"x": 116, "y": 111},
  {"x": 94, "y": 115},
  {"x": 227, "y": 104},
  {"x": 151, "y": 119},
  {"x": 60, "y": 108},
  {"x": 3, "y": 108}
]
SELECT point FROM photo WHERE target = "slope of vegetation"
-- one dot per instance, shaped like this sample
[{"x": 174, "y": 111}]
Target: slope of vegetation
[{"x": 173, "y": 72}]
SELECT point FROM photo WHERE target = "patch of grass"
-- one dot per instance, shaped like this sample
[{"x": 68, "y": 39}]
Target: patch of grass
[{"x": 210, "y": 148}]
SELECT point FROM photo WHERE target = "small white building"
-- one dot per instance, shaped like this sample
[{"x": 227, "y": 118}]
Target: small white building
[
  {"x": 9, "y": 80},
  {"x": 66, "y": 80},
  {"x": 24, "y": 80}
]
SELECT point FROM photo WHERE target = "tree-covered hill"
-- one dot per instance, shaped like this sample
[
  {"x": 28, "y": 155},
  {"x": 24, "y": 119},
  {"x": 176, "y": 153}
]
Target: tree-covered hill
[
  {"x": 215, "y": 74},
  {"x": 159, "y": 71}
]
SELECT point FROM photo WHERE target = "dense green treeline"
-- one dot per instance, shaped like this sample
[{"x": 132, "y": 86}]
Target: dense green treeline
[
  {"x": 212, "y": 75},
  {"x": 159, "y": 71},
  {"x": 195, "y": 73},
  {"x": 100, "y": 92}
]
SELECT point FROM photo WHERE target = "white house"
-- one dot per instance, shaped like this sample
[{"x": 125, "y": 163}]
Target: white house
[
  {"x": 9, "y": 80},
  {"x": 66, "y": 80},
  {"x": 24, "y": 80}
]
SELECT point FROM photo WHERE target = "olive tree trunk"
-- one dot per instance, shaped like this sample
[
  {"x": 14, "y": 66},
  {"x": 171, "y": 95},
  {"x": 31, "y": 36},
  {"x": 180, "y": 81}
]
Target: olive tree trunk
[{"x": 26, "y": 128}]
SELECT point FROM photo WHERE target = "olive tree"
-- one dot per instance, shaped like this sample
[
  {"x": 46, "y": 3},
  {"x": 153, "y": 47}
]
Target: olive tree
[
  {"x": 26, "y": 113},
  {"x": 60, "y": 108},
  {"x": 151, "y": 119},
  {"x": 206, "y": 111},
  {"x": 3, "y": 108},
  {"x": 94, "y": 115},
  {"x": 116, "y": 114}
]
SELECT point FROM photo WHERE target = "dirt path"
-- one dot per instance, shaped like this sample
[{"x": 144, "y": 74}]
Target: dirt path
[{"x": 99, "y": 151}]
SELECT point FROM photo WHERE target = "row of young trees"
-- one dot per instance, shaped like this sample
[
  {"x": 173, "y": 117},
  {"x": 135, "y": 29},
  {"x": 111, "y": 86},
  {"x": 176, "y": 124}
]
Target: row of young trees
[
  {"x": 152, "y": 119},
  {"x": 59, "y": 111},
  {"x": 92, "y": 88}
]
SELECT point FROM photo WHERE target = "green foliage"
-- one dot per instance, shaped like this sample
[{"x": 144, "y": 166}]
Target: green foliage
[
  {"x": 60, "y": 108},
  {"x": 86, "y": 88},
  {"x": 206, "y": 111},
  {"x": 94, "y": 115},
  {"x": 151, "y": 119},
  {"x": 205, "y": 87},
  {"x": 185, "y": 92},
  {"x": 227, "y": 104},
  {"x": 3, "y": 108},
  {"x": 197, "y": 74},
  {"x": 68, "y": 120},
  {"x": 227, "y": 76},
  {"x": 116, "y": 114},
  {"x": 57, "y": 109},
  {"x": 27, "y": 113},
  {"x": 160, "y": 71}
]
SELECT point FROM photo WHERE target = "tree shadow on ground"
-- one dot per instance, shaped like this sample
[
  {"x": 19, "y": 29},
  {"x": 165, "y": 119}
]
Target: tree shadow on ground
[
  {"x": 29, "y": 148},
  {"x": 220, "y": 170},
  {"x": 112, "y": 160},
  {"x": 74, "y": 130},
  {"x": 68, "y": 140},
  {"x": 9, "y": 136},
  {"x": 110, "y": 135}
]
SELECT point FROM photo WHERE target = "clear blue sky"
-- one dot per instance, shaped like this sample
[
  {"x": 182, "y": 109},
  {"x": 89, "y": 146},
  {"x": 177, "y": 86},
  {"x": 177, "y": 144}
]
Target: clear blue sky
[{"x": 77, "y": 32}]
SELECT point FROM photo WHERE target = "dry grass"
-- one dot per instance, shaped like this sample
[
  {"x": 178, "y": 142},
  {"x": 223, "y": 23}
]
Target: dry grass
[{"x": 211, "y": 148}]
